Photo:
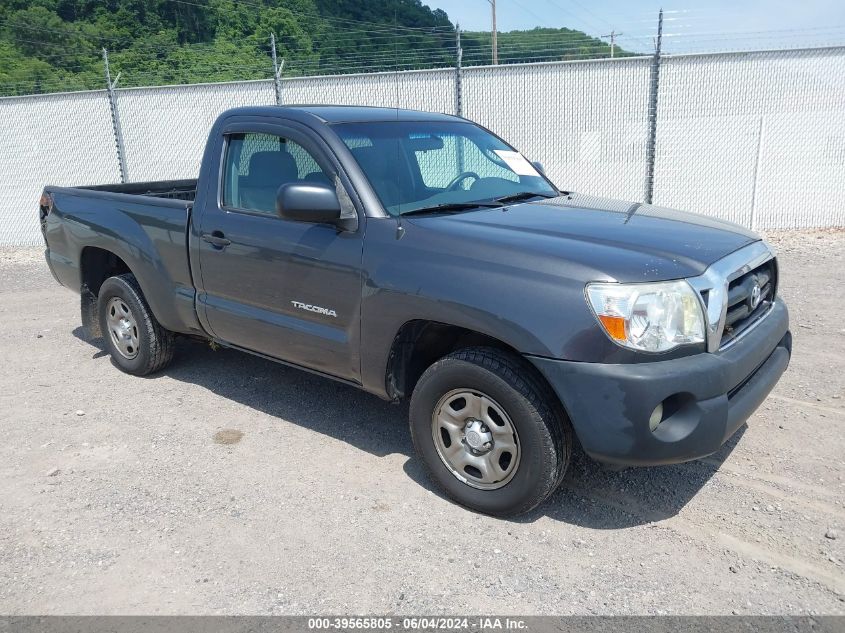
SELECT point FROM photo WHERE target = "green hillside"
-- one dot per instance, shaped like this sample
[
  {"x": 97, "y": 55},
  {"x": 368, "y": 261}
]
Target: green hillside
[{"x": 56, "y": 45}]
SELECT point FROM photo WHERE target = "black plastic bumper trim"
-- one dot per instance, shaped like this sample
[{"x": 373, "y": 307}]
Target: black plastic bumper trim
[{"x": 609, "y": 405}]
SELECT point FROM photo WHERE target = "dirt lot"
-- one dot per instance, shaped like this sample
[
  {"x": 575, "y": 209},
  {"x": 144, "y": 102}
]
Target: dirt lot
[{"x": 229, "y": 484}]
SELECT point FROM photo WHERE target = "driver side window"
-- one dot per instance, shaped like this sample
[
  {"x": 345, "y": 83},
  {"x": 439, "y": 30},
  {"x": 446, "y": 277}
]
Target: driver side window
[
  {"x": 256, "y": 165},
  {"x": 438, "y": 167}
]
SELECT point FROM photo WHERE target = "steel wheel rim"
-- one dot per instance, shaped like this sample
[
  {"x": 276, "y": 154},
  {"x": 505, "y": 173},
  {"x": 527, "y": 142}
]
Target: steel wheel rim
[
  {"x": 122, "y": 327},
  {"x": 475, "y": 439}
]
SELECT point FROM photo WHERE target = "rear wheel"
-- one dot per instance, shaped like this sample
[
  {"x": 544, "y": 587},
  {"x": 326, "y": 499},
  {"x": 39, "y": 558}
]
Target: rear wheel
[
  {"x": 136, "y": 341},
  {"x": 489, "y": 432}
]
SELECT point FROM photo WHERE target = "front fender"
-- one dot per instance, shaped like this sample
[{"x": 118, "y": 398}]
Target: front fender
[{"x": 423, "y": 276}]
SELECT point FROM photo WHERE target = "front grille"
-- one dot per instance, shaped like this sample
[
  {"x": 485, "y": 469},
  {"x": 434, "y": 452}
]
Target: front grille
[{"x": 750, "y": 296}]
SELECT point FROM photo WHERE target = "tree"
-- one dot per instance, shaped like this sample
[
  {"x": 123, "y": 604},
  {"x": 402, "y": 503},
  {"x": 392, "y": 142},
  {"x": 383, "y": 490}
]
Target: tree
[{"x": 48, "y": 45}]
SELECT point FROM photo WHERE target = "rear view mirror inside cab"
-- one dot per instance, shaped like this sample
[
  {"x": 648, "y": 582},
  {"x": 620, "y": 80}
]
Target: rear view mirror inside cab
[{"x": 425, "y": 143}]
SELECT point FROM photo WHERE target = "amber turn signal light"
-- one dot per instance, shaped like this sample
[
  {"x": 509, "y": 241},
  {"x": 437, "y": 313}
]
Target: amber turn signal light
[{"x": 614, "y": 325}]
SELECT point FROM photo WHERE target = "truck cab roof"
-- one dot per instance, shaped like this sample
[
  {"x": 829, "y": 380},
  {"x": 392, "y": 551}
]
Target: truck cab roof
[{"x": 340, "y": 113}]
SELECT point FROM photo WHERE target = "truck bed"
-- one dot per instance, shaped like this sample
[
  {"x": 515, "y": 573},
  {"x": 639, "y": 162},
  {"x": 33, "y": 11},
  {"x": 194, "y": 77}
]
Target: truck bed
[
  {"x": 168, "y": 189},
  {"x": 144, "y": 224}
]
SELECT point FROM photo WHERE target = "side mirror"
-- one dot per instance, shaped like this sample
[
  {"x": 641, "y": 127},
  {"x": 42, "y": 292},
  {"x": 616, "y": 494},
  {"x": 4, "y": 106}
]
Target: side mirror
[
  {"x": 539, "y": 167},
  {"x": 308, "y": 202}
]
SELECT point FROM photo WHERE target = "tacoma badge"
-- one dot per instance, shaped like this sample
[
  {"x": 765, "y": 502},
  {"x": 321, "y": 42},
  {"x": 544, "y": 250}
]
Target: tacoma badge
[{"x": 310, "y": 308}]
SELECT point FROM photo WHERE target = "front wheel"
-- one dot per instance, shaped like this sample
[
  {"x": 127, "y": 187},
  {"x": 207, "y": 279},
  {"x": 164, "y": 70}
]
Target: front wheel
[
  {"x": 489, "y": 432},
  {"x": 136, "y": 341}
]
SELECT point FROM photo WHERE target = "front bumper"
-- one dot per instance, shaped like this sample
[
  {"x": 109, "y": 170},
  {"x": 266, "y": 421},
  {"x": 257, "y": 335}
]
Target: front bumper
[{"x": 706, "y": 397}]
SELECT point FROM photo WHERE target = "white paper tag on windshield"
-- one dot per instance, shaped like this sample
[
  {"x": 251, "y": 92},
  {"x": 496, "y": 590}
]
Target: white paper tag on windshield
[{"x": 517, "y": 162}]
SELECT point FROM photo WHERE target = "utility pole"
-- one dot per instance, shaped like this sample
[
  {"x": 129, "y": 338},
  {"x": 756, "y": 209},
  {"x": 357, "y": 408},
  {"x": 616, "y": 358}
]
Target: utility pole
[
  {"x": 613, "y": 35},
  {"x": 115, "y": 119},
  {"x": 277, "y": 70},
  {"x": 495, "y": 45}
]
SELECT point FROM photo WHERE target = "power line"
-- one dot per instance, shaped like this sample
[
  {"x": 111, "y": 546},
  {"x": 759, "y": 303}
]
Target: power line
[
  {"x": 582, "y": 20},
  {"x": 444, "y": 47},
  {"x": 335, "y": 42},
  {"x": 74, "y": 33},
  {"x": 536, "y": 45}
]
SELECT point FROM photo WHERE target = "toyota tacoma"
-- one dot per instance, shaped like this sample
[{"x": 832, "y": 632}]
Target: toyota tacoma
[{"x": 419, "y": 256}]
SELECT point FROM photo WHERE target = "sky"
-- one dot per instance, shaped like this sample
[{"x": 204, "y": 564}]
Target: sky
[{"x": 688, "y": 25}]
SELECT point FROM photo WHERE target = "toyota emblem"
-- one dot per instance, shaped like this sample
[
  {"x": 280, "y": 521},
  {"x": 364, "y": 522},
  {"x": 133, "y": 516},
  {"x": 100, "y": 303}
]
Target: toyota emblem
[{"x": 755, "y": 295}]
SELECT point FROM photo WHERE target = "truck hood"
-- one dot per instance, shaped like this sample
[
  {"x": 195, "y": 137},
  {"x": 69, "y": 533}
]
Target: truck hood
[{"x": 607, "y": 239}]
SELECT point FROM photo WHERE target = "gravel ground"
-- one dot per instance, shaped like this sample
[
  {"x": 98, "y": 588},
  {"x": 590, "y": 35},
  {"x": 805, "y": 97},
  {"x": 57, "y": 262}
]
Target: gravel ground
[{"x": 228, "y": 484}]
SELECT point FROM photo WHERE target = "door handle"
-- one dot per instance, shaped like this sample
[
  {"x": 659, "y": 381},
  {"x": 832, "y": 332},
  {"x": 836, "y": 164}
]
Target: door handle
[{"x": 216, "y": 239}]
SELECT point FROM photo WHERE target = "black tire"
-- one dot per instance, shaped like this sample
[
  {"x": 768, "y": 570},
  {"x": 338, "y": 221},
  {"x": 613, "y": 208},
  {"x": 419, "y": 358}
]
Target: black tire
[
  {"x": 155, "y": 344},
  {"x": 544, "y": 432}
]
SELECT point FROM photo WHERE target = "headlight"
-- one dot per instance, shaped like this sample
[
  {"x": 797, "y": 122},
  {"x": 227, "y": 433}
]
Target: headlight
[{"x": 652, "y": 317}]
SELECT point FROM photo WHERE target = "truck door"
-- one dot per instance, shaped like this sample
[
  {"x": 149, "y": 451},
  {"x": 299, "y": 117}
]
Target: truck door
[{"x": 286, "y": 289}]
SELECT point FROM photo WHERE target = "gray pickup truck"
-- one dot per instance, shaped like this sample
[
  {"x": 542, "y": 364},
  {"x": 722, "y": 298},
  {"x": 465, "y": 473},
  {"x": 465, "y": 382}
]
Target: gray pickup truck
[{"x": 417, "y": 255}]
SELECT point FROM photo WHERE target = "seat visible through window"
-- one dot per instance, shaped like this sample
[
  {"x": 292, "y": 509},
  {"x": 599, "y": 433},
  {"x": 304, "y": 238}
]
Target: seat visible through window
[
  {"x": 256, "y": 165},
  {"x": 267, "y": 172}
]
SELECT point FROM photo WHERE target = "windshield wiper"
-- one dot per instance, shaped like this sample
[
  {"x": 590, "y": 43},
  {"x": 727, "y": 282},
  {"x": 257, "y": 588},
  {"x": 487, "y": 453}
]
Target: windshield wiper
[
  {"x": 523, "y": 195},
  {"x": 464, "y": 206},
  {"x": 451, "y": 206}
]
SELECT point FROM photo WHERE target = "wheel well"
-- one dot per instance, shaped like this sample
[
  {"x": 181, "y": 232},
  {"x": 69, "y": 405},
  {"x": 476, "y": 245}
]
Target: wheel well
[
  {"x": 418, "y": 344},
  {"x": 96, "y": 265}
]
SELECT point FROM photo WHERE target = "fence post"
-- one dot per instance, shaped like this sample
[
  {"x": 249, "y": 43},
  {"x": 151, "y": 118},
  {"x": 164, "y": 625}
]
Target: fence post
[
  {"x": 277, "y": 70},
  {"x": 654, "y": 80},
  {"x": 756, "y": 176},
  {"x": 115, "y": 118},
  {"x": 459, "y": 52}
]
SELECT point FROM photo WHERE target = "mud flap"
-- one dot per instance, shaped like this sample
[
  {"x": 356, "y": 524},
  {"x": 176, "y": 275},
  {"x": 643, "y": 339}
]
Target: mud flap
[{"x": 88, "y": 309}]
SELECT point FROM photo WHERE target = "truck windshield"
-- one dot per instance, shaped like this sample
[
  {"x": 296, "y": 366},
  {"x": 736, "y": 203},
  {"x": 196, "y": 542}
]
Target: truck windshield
[{"x": 439, "y": 165}]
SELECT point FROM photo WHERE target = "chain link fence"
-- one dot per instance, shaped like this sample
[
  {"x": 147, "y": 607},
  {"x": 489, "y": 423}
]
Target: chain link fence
[
  {"x": 757, "y": 138},
  {"x": 59, "y": 138},
  {"x": 586, "y": 121}
]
